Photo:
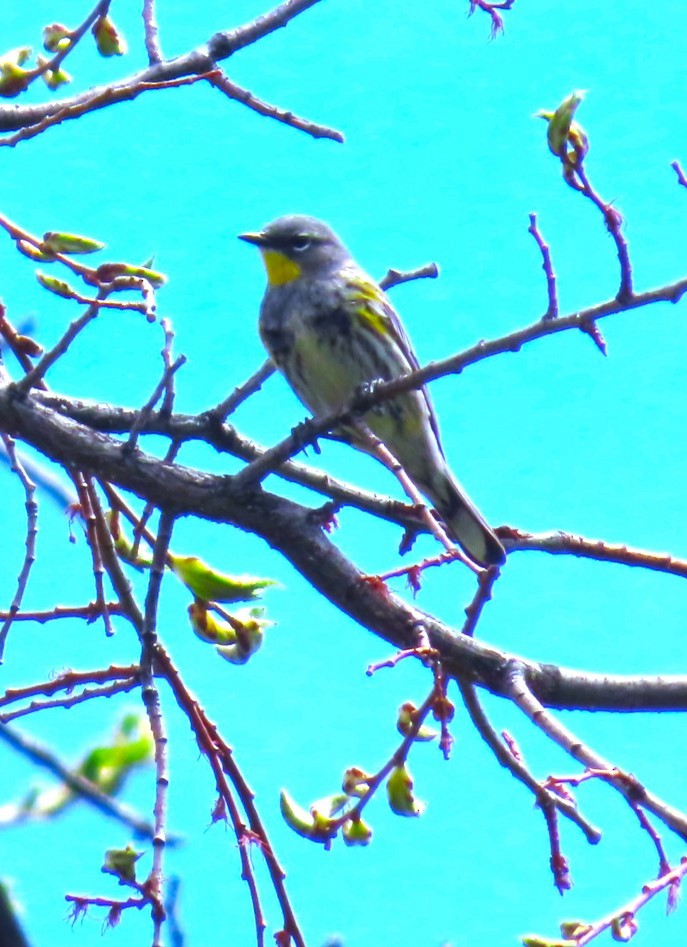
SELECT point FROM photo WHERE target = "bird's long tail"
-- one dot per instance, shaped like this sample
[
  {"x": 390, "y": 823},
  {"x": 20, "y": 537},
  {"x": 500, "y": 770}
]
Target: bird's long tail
[{"x": 464, "y": 522}]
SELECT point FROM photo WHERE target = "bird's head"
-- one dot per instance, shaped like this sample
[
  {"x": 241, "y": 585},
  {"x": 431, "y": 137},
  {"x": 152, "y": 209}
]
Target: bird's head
[{"x": 296, "y": 246}]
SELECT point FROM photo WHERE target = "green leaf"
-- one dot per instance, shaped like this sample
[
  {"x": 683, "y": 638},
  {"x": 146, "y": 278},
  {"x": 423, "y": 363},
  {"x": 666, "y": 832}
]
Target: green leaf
[
  {"x": 210, "y": 585},
  {"x": 54, "y": 285},
  {"x": 59, "y": 242}
]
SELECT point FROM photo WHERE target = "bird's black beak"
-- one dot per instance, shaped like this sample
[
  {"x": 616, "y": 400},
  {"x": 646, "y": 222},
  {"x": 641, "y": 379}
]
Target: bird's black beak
[{"x": 257, "y": 239}]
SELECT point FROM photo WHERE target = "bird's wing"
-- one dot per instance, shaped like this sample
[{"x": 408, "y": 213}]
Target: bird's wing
[{"x": 374, "y": 308}]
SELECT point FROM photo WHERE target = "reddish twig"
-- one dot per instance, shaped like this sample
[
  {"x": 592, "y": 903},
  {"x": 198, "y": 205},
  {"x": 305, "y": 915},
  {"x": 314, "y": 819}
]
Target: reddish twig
[
  {"x": 218, "y": 755},
  {"x": 107, "y": 690},
  {"x": 88, "y": 612},
  {"x": 516, "y": 688},
  {"x": 221, "y": 760},
  {"x": 622, "y": 921},
  {"x": 557, "y": 860},
  {"x": 53, "y": 64},
  {"x": 568, "y": 544},
  {"x": 492, "y": 9},
  {"x": 414, "y": 571},
  {"x": 383, "y": 454},
  {"x": 485, "y": 585},
  {"x": 511, "y": 760},
  {"x": 634, "y": 790},
  {"x": 68, "y": 681}
]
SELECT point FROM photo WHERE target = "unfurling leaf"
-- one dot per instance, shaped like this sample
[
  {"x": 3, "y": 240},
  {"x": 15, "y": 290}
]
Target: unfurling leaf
[
  {"x": 237, "y": 638},
  {"x": 406, "y": 720},
  {"x": 14, "y": 79},
  {"x": 210, "y": 585},
  {"x": 399, "y": 789},
  {"x": 56, "y": 36},
  {"x": 58, "y": 242},
  {"x": 356, "y": 832},
  {"x": 249, "y": 631},
  {"x": 33, "y": 253},
  {"x": 53, "y": 78},
  {"x": 307, "y": 824},
  {"x": 121, "y": 862},
  {"x": 356, "y": 782},
  {"x": 108, "y": 39},
  {"x": 108, "y": 272},
  {"x": 58, "y": 286}
]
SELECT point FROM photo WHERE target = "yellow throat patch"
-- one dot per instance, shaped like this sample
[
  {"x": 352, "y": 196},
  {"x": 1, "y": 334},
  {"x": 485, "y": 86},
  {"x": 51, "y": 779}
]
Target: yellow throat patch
[{"x": 280, "y": 269}]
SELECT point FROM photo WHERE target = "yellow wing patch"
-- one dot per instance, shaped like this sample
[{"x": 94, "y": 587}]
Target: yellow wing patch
[{"x": 372, "y": 315}]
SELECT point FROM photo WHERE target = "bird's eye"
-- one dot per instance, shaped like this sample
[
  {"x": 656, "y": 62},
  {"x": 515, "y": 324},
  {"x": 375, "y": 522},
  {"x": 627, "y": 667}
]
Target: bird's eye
[{"x": 301, "y": 242}]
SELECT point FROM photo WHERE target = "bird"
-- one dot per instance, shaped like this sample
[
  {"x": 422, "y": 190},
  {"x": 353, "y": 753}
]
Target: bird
[{"x": 329, "y": 328}]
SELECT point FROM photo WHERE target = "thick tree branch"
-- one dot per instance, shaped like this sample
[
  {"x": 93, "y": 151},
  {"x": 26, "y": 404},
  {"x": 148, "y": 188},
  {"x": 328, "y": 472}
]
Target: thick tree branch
[{"x": 296, "y": 532}]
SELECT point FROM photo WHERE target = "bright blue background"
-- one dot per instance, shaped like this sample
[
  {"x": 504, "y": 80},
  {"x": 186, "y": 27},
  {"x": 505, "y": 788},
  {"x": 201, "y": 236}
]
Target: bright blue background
[{"x": 443, "y": 161}]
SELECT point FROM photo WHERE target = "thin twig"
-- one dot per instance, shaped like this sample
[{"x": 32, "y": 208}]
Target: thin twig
[
  {"x": 614, "y": 223},
  {"x": 384, "y": 455},
  {"x": 567, "y": 544},
  {"x": 183, "y": 70},
  {"x": 222, "y": 411},
  {"x": 394, "y": 277},
  {"x": 519, "y": 692},
  {"x": 547, "y": 266},
  {"x": 151, "y": 700},
  {"x": 84, "y": 489},
  {"x": 221, "y": 761},
  {"x": 485, "y": 584},
  {"x": 53, "y": 64},
  {"x": 240, "y": 94},
  {"x": 517, "y": 768},
  {"x": 624, "y": 917},
  {"x": 30, "y": 542},
  {"x": 71, "y": 700},
  {"x": 150, "y": 27},
  {"x": 96, "y": 99},
  {"x": 308, "y": 431},
  {"x": 161, "y": 388},
  {"x": 677, "y": 167},
  {"x": 37, "y": 373},
  {"x": 68, "y": 681}
]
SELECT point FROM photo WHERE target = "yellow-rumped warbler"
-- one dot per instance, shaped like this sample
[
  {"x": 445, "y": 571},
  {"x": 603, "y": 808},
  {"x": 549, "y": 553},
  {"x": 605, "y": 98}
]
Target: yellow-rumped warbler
[{"x": 329, "y": 328}]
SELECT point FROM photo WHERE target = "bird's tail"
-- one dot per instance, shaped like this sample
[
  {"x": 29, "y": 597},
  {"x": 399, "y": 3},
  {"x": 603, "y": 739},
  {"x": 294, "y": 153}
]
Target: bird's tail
[{"x": 464, "y": 522}]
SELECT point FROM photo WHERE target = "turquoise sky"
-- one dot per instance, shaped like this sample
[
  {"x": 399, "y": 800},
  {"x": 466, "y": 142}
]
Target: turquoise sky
[{"x": 443, "y": 161}]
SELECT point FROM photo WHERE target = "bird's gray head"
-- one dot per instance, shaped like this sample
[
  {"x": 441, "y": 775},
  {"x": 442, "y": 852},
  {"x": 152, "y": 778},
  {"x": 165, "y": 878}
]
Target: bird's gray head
[{"x": 296, "y": 246}]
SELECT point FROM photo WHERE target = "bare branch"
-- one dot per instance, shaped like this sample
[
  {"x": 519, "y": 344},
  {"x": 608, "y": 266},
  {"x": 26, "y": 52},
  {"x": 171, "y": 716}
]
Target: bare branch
[
  {"x": 233, "y": 91},
  {"x": 30, "y": 542}
]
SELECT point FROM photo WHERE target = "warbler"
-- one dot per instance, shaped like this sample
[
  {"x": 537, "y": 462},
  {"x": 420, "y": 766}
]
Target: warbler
[{"x": 330, "y": 328}]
